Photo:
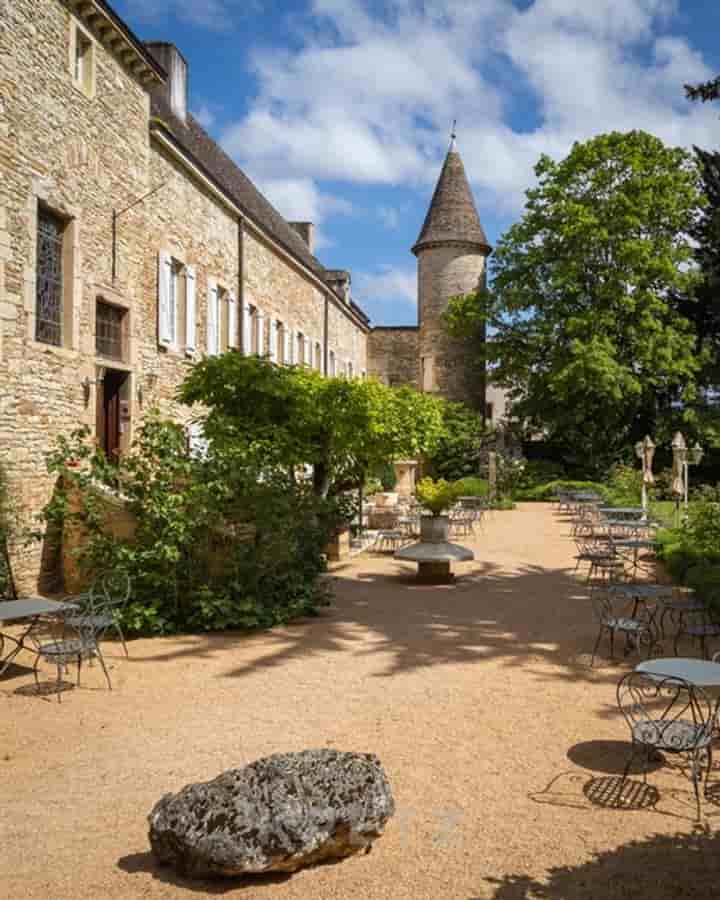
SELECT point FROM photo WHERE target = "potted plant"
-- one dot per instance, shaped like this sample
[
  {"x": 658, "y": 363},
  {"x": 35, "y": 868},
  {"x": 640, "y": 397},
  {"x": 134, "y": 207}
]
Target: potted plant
[
  {"x": 388, "y": 481},
  {"x": 437, "y": 497}
]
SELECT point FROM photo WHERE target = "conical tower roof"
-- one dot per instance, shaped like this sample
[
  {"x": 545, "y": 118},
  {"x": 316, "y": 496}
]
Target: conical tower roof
[{"x": 452, "y": 215}]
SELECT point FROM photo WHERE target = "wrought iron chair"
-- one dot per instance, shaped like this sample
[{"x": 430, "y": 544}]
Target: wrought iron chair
[
  {"x": 699, "y": 624},
  {"x": 58, "y": 642},
  {"x": 603, "y": 563},
  {"x": 668, "y": 715},
  {"x": 102, "y": 605},
  {"x": 616, "y": 613}
]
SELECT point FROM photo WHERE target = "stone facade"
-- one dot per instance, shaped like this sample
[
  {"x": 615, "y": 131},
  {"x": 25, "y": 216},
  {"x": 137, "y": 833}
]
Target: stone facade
[
  {"x": 394, "y": 355},
  {"x": 446, "y": 365},
  {"x": 77, "y": 138}
]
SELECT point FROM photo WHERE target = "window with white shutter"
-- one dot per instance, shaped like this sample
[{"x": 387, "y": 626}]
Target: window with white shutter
[
  {"x": 260, "y": 345},
  {"x": 165, "y": 287},
  {"x": 246, "y": 329},
  {"x": 190, "y": 310},
  {"x": 274, "y": 340},
  {"x": 287, "y": 348},
  {"x": 213, "y": 331},
  {"x": 332, "y": 364},
  {"x": 232, "y": 321}
]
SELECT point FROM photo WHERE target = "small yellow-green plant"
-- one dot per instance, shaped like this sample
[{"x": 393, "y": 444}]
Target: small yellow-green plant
[{"x": 437, "y": 496}]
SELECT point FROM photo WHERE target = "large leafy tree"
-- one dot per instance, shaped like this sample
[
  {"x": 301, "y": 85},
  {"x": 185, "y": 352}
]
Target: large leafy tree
[
  {"x": 295, "y": 418},
  {"x": 584, "y": 325},
  {"x": 708, "y": 90}
]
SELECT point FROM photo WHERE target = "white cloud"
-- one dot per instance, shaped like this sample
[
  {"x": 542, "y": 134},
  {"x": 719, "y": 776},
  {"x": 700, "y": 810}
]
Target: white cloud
[
  {"x": 387, "y": 287},
  {"x": 389, "y": 216},
  {"x": 368, "y": 99},
  {"x": 204, "y": 115}
]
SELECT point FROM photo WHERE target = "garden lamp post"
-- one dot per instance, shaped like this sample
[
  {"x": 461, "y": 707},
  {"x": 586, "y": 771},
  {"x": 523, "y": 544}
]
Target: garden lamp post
[{"x": 645, "y": 451}]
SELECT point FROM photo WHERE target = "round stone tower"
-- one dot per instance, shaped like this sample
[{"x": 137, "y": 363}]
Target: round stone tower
[{"x": 451, "y": 252}]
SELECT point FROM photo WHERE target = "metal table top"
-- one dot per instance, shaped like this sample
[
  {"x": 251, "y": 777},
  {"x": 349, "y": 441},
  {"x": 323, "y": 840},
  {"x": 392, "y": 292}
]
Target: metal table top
[
  {"x": 32, "y": 606},
  {"x": 696, "y": 671},
  {"x": 623, "y": 510},
  {"x": 643, "y": 590}
]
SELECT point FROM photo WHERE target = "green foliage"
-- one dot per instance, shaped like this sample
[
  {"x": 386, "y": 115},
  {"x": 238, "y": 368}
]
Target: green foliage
[
  {"x": 691, "y": 553},
  {"x": 341, "y": 428},
  {"x": 388, "y": 477},
  {"x": 458, "y": 450},
  {"x": 472, "y": 486},
  {"x": 538, "y": 472},
  {"x": 583, "y": 320},
  {"x": 545, "y": 492},
  {"x": 437, "y": 496},
  {"x": 219, "y": 542},
  {"x": 624, "y": 485}
]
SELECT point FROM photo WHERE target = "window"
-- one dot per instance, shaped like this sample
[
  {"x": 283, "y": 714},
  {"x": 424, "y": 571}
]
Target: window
[
  {"x": 83, "y": 61},
  {"x": 300, "y": 347},
  {"x": 109, "y": 330},
  {"x": 332, "y": 364},
  {"x": 176, "y": 304},
  {"x": 489, "y": 411},
  {"x": 49, "y": 285},
  {"x": 318, "y": 356},
  {"x": 350, "y": 370}
]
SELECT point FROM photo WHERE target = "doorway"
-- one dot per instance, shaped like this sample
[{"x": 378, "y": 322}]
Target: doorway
[{"x": 109, "y": 425}]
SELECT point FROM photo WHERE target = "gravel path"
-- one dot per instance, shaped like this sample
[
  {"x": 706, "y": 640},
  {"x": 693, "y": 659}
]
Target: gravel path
[{"x": 477, "y": 698}]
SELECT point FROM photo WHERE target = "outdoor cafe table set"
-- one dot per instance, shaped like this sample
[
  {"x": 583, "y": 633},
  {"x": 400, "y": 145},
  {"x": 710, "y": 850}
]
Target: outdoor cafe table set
[{"x": 29, "y": 613}]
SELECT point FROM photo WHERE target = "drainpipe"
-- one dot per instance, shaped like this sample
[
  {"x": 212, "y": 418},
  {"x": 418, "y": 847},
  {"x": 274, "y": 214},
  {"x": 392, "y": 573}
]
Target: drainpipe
[
  {"x": 325, "y": 337},
  {"x": 241, "y": 281}
]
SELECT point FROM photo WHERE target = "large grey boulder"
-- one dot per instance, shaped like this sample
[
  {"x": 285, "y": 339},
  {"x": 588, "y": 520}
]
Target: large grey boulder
[{"x": 275, "y": 815}]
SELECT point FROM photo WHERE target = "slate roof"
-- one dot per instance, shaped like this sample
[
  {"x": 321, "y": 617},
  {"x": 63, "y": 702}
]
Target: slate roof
[
  {"x": 452, "y": 215},
  {"x": 228, "y": 176}
]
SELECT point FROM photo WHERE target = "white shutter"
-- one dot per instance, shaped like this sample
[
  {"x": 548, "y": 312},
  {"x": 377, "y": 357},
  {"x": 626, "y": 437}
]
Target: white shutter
[
  {"x": 165, "y": 329},
  {"x": 190, "y": 313},
  {"x": 308, "y": 352},
  {"x": 260, "y": 332},
  {"x": 287, "y": 352},
  {"x": 212, "y": 318},
  {"x": 232, "y": 322},
  {"x": 273, "y": 340},
  {"x": 246, "y": 324}
]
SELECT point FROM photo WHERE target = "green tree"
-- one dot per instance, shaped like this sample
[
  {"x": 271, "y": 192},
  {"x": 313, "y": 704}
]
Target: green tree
[
  {"x": 582, "y": 316},
  {"x": 341, "y": 428},
  {"x": 708, "y": 90}
]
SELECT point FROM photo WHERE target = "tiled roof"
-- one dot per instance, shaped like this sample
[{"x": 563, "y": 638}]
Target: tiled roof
[
  {"x": 452, "y": 215},
  {"x": 228, "y": 176}
]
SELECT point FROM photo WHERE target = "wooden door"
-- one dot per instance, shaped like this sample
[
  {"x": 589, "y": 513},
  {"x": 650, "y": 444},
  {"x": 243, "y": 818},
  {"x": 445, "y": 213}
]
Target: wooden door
[{"x": 108, "y": 412}]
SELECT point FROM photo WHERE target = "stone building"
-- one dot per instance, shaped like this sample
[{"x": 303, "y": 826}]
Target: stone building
[
  {"x": 451, "y": 253},
  {"x": 130, "y": 245}
]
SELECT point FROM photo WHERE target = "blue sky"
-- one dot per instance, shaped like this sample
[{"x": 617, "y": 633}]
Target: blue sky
[{"x": 340, "y": 110}]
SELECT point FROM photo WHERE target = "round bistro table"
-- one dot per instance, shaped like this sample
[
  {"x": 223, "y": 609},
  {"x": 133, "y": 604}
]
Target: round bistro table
[{"x": 697, "y": 671}]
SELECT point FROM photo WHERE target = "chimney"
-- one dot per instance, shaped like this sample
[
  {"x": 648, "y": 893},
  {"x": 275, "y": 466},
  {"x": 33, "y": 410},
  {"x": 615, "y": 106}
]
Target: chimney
[
  {"x": 306, "y": 230},
  {"x": 175, "y": 89},
  {"x": 339, "y": 279}
]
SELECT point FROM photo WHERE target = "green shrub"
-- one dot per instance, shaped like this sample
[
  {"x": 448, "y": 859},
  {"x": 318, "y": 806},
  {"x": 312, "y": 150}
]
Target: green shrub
[
  {"x": 220, "y": 542},
  {"x": 458, "y": 451},
  {"x": 472, "y": 487},
  {"x": 437, "y": 496},
  {"x": 538, "y": 472},
  {"x": 387, "y": 476},
  {"x": 546, "y": 492},
  {"x": 624, "y": 485}
]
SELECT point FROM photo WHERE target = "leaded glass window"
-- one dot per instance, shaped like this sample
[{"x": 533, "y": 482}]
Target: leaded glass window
[
  {"x": 49, "y": 299},
  {"x": 109, "y": 330}
]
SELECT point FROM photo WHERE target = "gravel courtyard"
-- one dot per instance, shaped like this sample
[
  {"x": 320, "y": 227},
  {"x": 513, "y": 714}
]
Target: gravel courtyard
[{"x": 477, "y": 698}]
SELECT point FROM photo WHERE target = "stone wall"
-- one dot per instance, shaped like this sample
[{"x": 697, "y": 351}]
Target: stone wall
[
  {"x": 84, "y": 156},
  {"x": 448, "y": 366},
  {"x": 394, "y": 355},
  {"x": 81, "y": 156}
]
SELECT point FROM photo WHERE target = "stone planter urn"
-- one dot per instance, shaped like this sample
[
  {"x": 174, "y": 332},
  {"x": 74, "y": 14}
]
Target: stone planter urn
[
  {"x": 387, "y": 498},
  {"x": 434, "y": 529}
]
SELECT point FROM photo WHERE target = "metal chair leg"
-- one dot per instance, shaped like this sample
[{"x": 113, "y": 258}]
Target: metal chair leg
[
  {"x": 104, "y": 668},
  {"x": 122, "y": 639}
]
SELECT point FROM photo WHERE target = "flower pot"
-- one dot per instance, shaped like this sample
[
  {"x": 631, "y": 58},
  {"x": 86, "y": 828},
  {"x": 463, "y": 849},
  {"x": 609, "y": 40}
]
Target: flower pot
[{"x": 434, "y": 529}]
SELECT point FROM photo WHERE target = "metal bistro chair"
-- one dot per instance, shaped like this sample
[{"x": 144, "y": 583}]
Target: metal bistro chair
[
  {"x": 617, "y": 613},
  {"x": 102, "y": 605},
  {"x": 462, "y": 522},
  {"x": 603, "y": 562},
  {"x": 58, "y": 642},
  {"x": 699, "y": 624},
  {"x": 668, "y": 715}
]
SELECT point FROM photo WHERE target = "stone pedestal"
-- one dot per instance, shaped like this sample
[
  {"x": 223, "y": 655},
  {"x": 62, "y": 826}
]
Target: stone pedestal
[
  {"x": 435, "y": 554},
  {"x": 405, "y": 471}
]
